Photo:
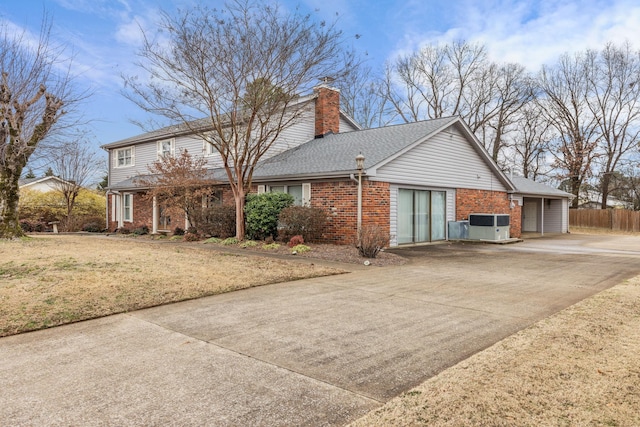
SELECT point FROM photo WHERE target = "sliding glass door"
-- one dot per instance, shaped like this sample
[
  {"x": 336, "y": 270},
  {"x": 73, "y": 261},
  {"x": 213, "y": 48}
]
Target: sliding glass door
[
  {"x": 421, "y": 215},
  {"x": 438, "y": 215}
]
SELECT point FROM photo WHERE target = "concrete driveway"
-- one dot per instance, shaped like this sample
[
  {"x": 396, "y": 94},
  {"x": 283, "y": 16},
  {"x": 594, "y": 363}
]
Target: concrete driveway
[{"x": 313, "y": 352}]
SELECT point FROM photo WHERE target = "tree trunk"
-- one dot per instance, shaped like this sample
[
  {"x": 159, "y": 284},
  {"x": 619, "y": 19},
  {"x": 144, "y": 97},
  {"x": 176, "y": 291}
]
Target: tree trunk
[
  {"x": 606, "y": 180},
  {"x": 240, "y": 200},
  {"x": 9, "y": 197},
  {"x": 575, "y": 190}
]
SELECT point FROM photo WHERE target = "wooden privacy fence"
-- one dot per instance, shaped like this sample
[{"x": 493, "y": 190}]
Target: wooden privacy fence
[{"x": 611, "y": 219}]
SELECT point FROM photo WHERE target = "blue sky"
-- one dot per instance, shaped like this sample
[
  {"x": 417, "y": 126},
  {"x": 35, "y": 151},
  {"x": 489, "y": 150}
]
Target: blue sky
[{"x": 103, "y": 35}]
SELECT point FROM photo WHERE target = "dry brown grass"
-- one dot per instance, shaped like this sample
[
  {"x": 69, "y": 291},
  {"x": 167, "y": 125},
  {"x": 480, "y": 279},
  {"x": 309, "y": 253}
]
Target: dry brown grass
[
  {"x": 579, "y": 367},
  {"x": 50, "y": 281}
]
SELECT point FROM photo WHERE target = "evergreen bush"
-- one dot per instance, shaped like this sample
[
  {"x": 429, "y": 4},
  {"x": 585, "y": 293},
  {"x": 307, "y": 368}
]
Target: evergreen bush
[{"x": 262, "y": 211}]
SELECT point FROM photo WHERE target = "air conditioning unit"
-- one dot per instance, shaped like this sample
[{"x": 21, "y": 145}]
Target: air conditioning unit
[{"x": 489, "y": 226}]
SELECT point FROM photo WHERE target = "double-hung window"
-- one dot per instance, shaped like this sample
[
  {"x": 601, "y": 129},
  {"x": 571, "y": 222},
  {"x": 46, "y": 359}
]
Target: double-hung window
[
  {"x": 166, "y": 148},
  {"x": 125, "y": 157},
  {"x": 127, "y": 207},
  {"x": 301, "y": 192}
]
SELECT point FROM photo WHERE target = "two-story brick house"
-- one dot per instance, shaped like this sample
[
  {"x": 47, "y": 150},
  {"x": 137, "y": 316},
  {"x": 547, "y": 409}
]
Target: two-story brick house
[{"x": 416, "y": 177}]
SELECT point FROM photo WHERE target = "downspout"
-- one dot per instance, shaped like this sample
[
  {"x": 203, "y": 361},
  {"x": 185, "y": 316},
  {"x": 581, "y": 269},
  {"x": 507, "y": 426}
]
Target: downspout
[{"x": 154, "y": 216}]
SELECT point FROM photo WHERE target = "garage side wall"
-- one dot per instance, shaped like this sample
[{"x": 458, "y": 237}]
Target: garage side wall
[{"x": 483, "y": 201}]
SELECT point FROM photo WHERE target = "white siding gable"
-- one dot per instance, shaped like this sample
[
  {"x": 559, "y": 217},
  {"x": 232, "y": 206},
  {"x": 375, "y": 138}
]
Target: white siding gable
[{"x": 447, "y": 160}]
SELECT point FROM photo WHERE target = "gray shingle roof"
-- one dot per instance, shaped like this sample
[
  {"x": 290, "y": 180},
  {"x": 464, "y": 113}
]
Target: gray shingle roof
[
  {"x": 336, "y": 153},
  {"x": 528, "y": 186}
]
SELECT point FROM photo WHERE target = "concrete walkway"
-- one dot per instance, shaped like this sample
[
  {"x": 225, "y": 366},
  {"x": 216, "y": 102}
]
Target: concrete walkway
[{"x": 321, "y": 351}]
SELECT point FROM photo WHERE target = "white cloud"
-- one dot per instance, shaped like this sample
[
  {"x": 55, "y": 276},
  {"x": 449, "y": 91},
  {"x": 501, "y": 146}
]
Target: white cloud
[
  {"x": 129, "y": 32},
  {"x": 534, "y": 33}
]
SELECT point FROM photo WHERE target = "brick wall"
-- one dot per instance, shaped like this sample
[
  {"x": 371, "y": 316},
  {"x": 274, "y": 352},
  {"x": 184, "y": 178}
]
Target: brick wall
[
  {"x": 143, "y": 211},
  {"x": 483, "y": 201},
  {"x": 340, "y": 200}
]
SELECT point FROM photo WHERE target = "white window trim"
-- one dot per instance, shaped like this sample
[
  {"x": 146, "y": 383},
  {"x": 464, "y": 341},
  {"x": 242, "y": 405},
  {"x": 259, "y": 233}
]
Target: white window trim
[
  {"x": 208, "y": 148},
  {"x": 124, "y": 207},
  {"x": 172, "y": 149},
  {"x": 306, "y": 191},
  {"x": 116, "y": 157}
]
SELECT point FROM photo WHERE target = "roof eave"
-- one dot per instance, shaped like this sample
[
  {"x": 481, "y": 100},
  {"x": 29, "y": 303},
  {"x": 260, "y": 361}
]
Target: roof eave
[{"x": 310, "y": 176}]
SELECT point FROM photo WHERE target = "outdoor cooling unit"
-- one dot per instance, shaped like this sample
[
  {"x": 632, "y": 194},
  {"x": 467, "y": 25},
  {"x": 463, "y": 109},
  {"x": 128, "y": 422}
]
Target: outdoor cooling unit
[{"x": 488, "y": 227}]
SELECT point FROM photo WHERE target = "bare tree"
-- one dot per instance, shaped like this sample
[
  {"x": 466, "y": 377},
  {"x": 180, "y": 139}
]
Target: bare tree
[
  {"x": 205, "y": 61},
  {"x": 33, "y": 90},
  {"x": 179, "y": 182},
  {"x": 361, "y": 98},
  {"x": 613, "y": 77},
  {"x": 531, "y": 142},
  {"x": 458, "y": 79},
  {"x": 76, "y": 164},
  {"x": 563, "y": 102}
]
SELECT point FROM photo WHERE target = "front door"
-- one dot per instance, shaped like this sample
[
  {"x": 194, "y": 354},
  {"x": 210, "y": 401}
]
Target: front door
[{"x": 530, "y": 217}]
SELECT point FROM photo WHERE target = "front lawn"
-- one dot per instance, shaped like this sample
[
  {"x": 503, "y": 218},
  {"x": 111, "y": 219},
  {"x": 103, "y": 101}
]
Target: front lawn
[{"x": 50, "y": 281}]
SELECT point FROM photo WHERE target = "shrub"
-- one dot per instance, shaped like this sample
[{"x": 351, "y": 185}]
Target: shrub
[
  {"x": 213, "y": 240},
  {"x": 176, "y": 237},
  {"x": 141, "y": 231},
  {"x": 178, "y": 231},
  {"x": 123, "y": 230},
  {"x": 217, "y": 221},
  {"x": 248, "y": 244},
  {"x": 262, "y": 211},
  {"x": 33, "y": 226},
  {"x": 93, "y": 224},
  {"x": 301, "y": 221},
  {"x": 295, "y": 240},
  {"x": 300, "y": 249},
  {"x": 92, "y": 227},
  {"x": 271, "y": 246},
  {"x": 371, "y": 240},
  {"x": 37, "y": 206},
  {"x": 191, "y": 237},
  {"x": 229, "y": 241}
]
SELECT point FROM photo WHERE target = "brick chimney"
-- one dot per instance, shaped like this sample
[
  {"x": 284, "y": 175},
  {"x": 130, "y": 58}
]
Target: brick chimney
[{"x": 327, "y": 109}]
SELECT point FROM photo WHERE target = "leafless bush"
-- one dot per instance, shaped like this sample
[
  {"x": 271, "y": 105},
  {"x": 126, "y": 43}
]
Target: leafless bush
[{"x": 371, "y": 240}]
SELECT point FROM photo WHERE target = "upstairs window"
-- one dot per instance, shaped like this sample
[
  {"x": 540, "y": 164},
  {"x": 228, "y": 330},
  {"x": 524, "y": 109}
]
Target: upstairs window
[
  {"x": 166, "y": 148},
  {"x": 124, "y": 157}
]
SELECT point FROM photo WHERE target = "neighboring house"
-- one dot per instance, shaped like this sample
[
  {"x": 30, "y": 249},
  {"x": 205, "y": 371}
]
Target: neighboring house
[
  {"x": 43, "y": 184},
  {"x": 593, "y": 200},
  {"x": 417, "y": 177}
]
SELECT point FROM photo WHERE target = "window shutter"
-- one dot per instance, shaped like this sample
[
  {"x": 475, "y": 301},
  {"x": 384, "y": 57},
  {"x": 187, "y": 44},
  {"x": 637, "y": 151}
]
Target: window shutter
[
  {"x": 306, "y": 194},
  {"x": 261, "y": 189},
  {"x": 158, "y": 149},
  {"x": 133, "y": 156}
]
